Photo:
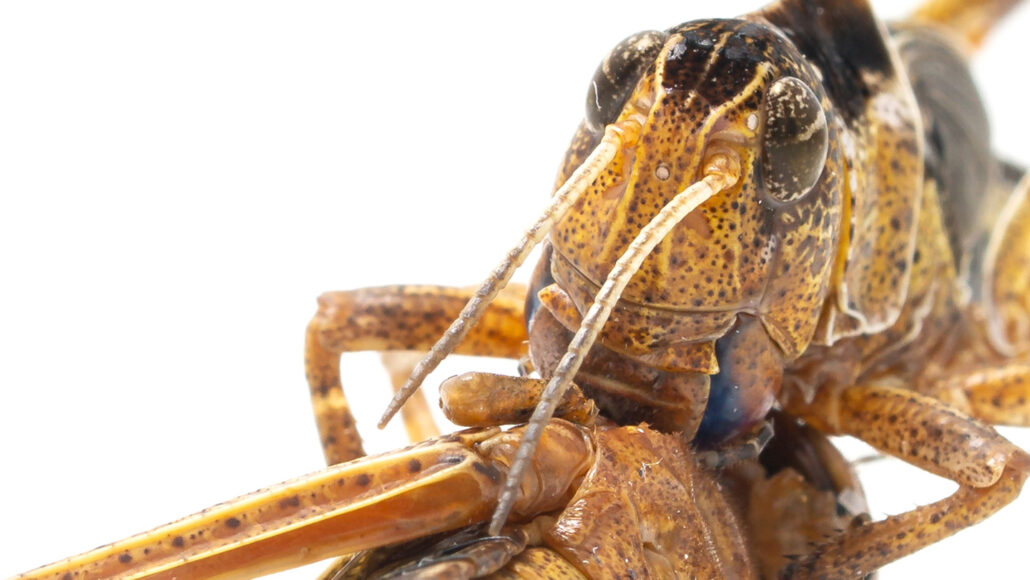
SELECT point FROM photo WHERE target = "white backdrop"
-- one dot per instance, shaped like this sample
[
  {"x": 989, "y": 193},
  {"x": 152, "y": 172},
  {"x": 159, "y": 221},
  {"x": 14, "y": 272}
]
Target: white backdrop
[{"x": 179, "y": 181}]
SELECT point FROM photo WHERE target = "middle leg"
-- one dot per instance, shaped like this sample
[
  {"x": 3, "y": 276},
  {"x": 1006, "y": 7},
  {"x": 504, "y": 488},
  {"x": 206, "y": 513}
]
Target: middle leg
[{"x": 394, "y": 318}]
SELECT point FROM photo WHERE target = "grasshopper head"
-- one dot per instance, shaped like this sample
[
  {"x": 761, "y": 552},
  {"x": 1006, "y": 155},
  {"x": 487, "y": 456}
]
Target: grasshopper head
[
  {"x": 758, "y": 254},
  {"x": 764, "y": 247}
]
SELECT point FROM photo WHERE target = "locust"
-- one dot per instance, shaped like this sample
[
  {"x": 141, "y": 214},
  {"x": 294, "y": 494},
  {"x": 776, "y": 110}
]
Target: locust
[{"x": 785, "y": 209}]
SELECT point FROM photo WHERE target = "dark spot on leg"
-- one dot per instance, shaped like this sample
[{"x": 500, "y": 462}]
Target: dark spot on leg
[
  {"x": 179, "y": 541},
  {"x": 488, "y": 470},
  {"x": 125, "y": 558},
  {"x": 451, "y": 459},
  {"x": 290, "y": 502},
  {"x": 363, "y": 480},
  {"x": 232, "y": 522},
  {"x": 414, "y": 466}
]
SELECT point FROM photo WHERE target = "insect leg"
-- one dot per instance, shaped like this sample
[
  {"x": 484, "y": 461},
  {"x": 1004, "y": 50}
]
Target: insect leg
[
  {"x": 337, "y": 428},
  {"x": 801, "y": 493},
  {"x": 393, "y": 318},
  {"x": 927, "y": 433},
  {"x": 436, "y": 486},
  {"x": 721, "y": 172},
  {"x": 464, "y": 555},
  {"x": 1007, "y": 291},
  {"x": 484, "y": 399},
  {"x": 735, "y": 451},
  {"x": 969, "y": 20},
  {"x": 418, "y": 420},
  {"x": 865, "y": 548},
  {"x": 999, "y": 396},
  {"x": 616, "y": 137},
  {"x": 915, "y": 428}
]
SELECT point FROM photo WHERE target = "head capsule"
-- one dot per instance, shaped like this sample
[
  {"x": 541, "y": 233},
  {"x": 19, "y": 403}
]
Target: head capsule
[
  {"x": 753, "y": 261},
  {"x": 763, "y": 248}
]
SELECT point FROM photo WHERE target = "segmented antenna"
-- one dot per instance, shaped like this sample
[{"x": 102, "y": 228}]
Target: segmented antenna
[
  {"x": 615, "y": 138},
  {"x": 717, "y": 178}
]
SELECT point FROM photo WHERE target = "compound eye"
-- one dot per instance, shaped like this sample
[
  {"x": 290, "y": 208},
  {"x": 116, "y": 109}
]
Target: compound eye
[
  {"x": 618, "y": 75},
  {"x": 795, "y": 140}
]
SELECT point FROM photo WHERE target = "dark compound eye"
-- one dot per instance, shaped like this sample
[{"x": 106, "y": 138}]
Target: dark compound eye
[
  {"x": 796, "y": 139},
  {"x": 618, "y": 75}
]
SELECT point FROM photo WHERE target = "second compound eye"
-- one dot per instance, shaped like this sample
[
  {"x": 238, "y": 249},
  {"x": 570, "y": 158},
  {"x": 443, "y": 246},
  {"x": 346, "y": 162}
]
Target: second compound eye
[
  {"x": 796, "y": 140},
  {"x": 618, "y": 75}
]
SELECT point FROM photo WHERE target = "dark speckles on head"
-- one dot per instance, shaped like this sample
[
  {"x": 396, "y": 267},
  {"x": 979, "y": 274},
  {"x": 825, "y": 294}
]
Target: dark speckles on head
[{"x": 718, "y": 60}]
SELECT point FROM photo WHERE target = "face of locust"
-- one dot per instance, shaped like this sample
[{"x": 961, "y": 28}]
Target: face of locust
[{"x": 749, "y": 268}]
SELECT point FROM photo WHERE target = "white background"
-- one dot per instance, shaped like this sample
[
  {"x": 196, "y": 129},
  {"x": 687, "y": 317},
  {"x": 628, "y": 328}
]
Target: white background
[{"x": 179, "y": 181}]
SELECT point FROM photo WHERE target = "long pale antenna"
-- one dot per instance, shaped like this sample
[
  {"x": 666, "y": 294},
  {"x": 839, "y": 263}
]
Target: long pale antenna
[
  {"x": 718, "y": 177},
  {"x": 615, "y": 138}
]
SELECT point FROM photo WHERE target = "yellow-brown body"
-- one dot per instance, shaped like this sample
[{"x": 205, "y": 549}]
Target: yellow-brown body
[
  {"x": 887, "y": 269},
  {"x": 923, "y": 306}
]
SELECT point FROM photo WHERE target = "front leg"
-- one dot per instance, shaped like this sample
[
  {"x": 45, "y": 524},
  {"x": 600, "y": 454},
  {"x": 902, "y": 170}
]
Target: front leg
[
  {"x": 915, "y": 428},
  {"x": 865, "y": 548},
  {"x": 931, "y": 435}
]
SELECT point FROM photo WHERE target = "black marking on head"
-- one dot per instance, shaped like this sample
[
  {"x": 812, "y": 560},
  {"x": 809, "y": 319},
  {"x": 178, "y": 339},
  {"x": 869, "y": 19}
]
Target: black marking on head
[
  {"x": 843, "y": 41},
  {"x": 717, "y": 60},
  {"x": 688, "y": 59}
]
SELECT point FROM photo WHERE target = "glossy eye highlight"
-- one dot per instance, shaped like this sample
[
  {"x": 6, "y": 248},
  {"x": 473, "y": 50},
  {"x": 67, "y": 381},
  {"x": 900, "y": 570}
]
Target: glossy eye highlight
[
  {"x": 796, "y": 140},
  {"x": 617, "y": 76}
]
